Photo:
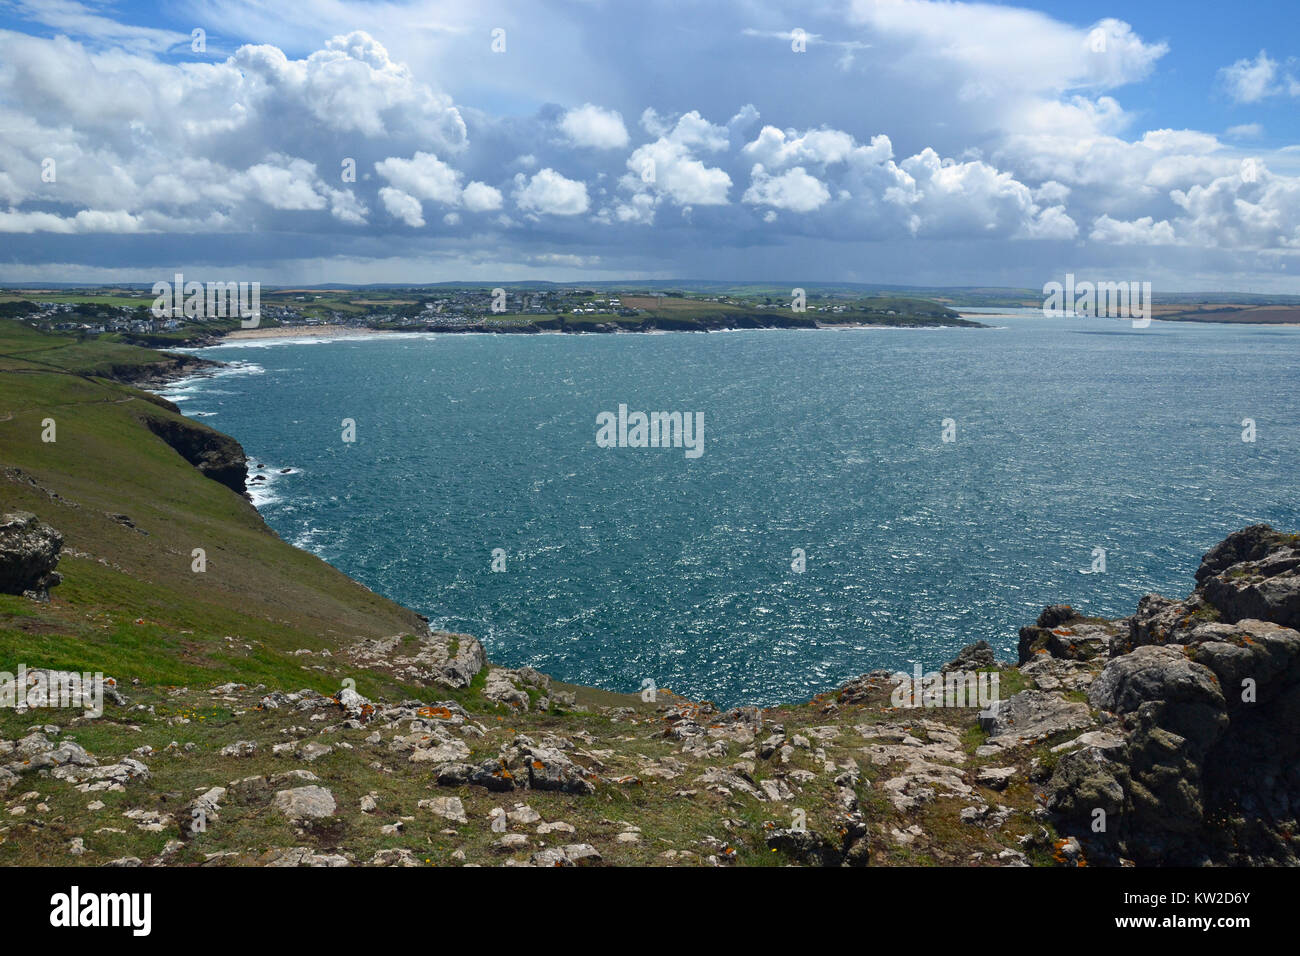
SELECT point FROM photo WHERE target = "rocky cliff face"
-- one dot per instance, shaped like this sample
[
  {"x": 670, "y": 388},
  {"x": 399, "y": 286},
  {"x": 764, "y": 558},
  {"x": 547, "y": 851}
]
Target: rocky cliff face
[
  {"x": 170, "y": 367},
  {"x": 217, "y": 456},
  {"x": 1200, "y": 704}
]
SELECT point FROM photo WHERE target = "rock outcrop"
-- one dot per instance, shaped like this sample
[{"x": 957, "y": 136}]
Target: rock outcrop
[
  {"x": 29, "y": 553},
  {"x": 1064, "y": 635},
  {"x": 217, "y": 456},
  {"x": 1202, "y": 701},
  {"x": 437, "y": 657}
]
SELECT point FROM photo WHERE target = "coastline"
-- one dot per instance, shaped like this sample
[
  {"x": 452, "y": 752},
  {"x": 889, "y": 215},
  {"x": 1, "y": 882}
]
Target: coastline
[
  {"x": 327, "y": 332},
  {"x": 303, "y": 332},
  {"x": 1122, "y": 714}
]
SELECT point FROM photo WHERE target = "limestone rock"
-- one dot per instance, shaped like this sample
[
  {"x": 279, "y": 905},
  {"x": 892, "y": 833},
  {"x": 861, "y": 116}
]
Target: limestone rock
[
  {"x": 305, "y": 803},
  {"x": 29, "y": 553}
]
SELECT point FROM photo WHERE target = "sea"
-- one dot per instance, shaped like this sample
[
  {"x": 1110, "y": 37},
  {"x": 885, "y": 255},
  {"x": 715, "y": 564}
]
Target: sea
[{"x": 860, "y": 499}]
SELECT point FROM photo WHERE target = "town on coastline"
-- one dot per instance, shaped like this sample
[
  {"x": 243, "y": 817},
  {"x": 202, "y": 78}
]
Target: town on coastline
[{"x": 131, "y": 314}]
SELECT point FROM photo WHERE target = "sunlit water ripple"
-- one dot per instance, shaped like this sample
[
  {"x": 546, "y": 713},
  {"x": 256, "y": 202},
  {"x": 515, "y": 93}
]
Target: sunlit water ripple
[{"x": 622, "y": 564}]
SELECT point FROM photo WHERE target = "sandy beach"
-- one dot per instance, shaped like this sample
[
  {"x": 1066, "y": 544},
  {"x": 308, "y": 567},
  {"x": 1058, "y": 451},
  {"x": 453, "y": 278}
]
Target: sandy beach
[{"x": 302, "y": 331}]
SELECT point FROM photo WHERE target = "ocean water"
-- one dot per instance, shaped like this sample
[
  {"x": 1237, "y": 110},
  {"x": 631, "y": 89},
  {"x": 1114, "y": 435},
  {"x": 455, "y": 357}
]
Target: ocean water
[{"x": 623, "y": 564}]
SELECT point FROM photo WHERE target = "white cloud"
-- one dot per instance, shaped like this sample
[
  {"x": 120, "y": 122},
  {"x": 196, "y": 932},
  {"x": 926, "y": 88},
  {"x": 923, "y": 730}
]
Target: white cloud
[
  {"x": 948, "y": 198},
  {"x": 346, "y": 207},
  {"x": 1144, "y": 231},
  {"x": 775, "y": 148},
  {"x": 1253, "y": 208},
  {"x": 1249, "y": 81},
  {"x": 592, "y": 126},
  {"x": 86, "y": 221},
  {"x": 402, "y": 206},
  {"x": 1002, "y": 49},
  {"x": 423, "y": 176},
  {"x": 549, "y": 193},
  {"x": 794, "y": 190},
  {"x": 354, "y": 86},
  {"x": 231, "y": 147},
  {"x": 1051, "y": 223},
  {"x": 281, "y": 187},
  {"x": 1012, "y": 121},
  {"x": 1052, "y": 192},
  {"x": 640, "y": 209},
  {"x": 76, "y": 19},
  {"x": 480, "y": 197},
  {"x": 668, "y": 166}
]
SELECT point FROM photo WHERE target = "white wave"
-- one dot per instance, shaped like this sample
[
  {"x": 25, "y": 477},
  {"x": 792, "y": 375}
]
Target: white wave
[{"x": 265, "y": 493}]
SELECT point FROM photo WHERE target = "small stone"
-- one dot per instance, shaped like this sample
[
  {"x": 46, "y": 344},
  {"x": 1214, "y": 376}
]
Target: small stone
[
  {"x": 511, "y": 842},
  {"x": 522, "y": 815}
]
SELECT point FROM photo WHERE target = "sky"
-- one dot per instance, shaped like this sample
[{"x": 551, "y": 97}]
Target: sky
[{"x": 908, "y": 142}]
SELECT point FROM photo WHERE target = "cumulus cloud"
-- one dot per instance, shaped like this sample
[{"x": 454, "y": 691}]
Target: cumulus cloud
[
  {"x": 290, "y": 184},
  {"x": 592, "y": 126},
  {"x": 549, "y": 193},
  {"x": 1252, "y": 208},
  {"x": 951, "y": 198},
  {"x": 668, "y": 168},
  {"x": 238, "y": 142},
  {"x": 352, "y": 85},
  {"x": 86, "y": 221},
  {"x": 1012, "y": 119},
  {"x": 402, "y": 206},
  {"x": 423, "y": 176},
  {"x": 1144, "y": 231},
  {"x": 775, "y": 148},
  {"x": 794, "y": 190},
  {"x": 922, "y": 195},
  {"x": 480, "y": 197}
]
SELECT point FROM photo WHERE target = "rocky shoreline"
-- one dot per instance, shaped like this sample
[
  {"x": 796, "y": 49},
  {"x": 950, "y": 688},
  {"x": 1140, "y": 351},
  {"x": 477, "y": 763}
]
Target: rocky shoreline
[
  {"x": 174, "y": 367},
  {"x": 1195, "y": 756},
  {"x": 1166, "y": 738}
]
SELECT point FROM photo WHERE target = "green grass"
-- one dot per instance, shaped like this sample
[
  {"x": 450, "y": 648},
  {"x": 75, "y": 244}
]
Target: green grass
[
  {"x": 73, "y": 298},
  {"x": 257, "y": 589}
]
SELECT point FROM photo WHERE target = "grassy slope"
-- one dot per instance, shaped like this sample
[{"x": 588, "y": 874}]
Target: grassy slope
[{"x": 256, "y": 587}]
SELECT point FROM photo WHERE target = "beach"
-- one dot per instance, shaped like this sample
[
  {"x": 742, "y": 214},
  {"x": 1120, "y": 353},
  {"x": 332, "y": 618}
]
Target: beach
[{"x": 302, "y": 331}]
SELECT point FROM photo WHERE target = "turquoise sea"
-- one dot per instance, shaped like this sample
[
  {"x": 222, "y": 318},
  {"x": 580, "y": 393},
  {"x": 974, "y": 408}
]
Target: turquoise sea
[{"x": 625, "y": 563}]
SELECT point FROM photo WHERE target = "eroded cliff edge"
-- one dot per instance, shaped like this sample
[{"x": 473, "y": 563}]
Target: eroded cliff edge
[{"x": 1196, "y": 753}]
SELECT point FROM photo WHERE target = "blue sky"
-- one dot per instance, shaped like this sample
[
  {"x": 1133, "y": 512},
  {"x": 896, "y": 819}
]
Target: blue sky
[{"x": 895, "y": 141}]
